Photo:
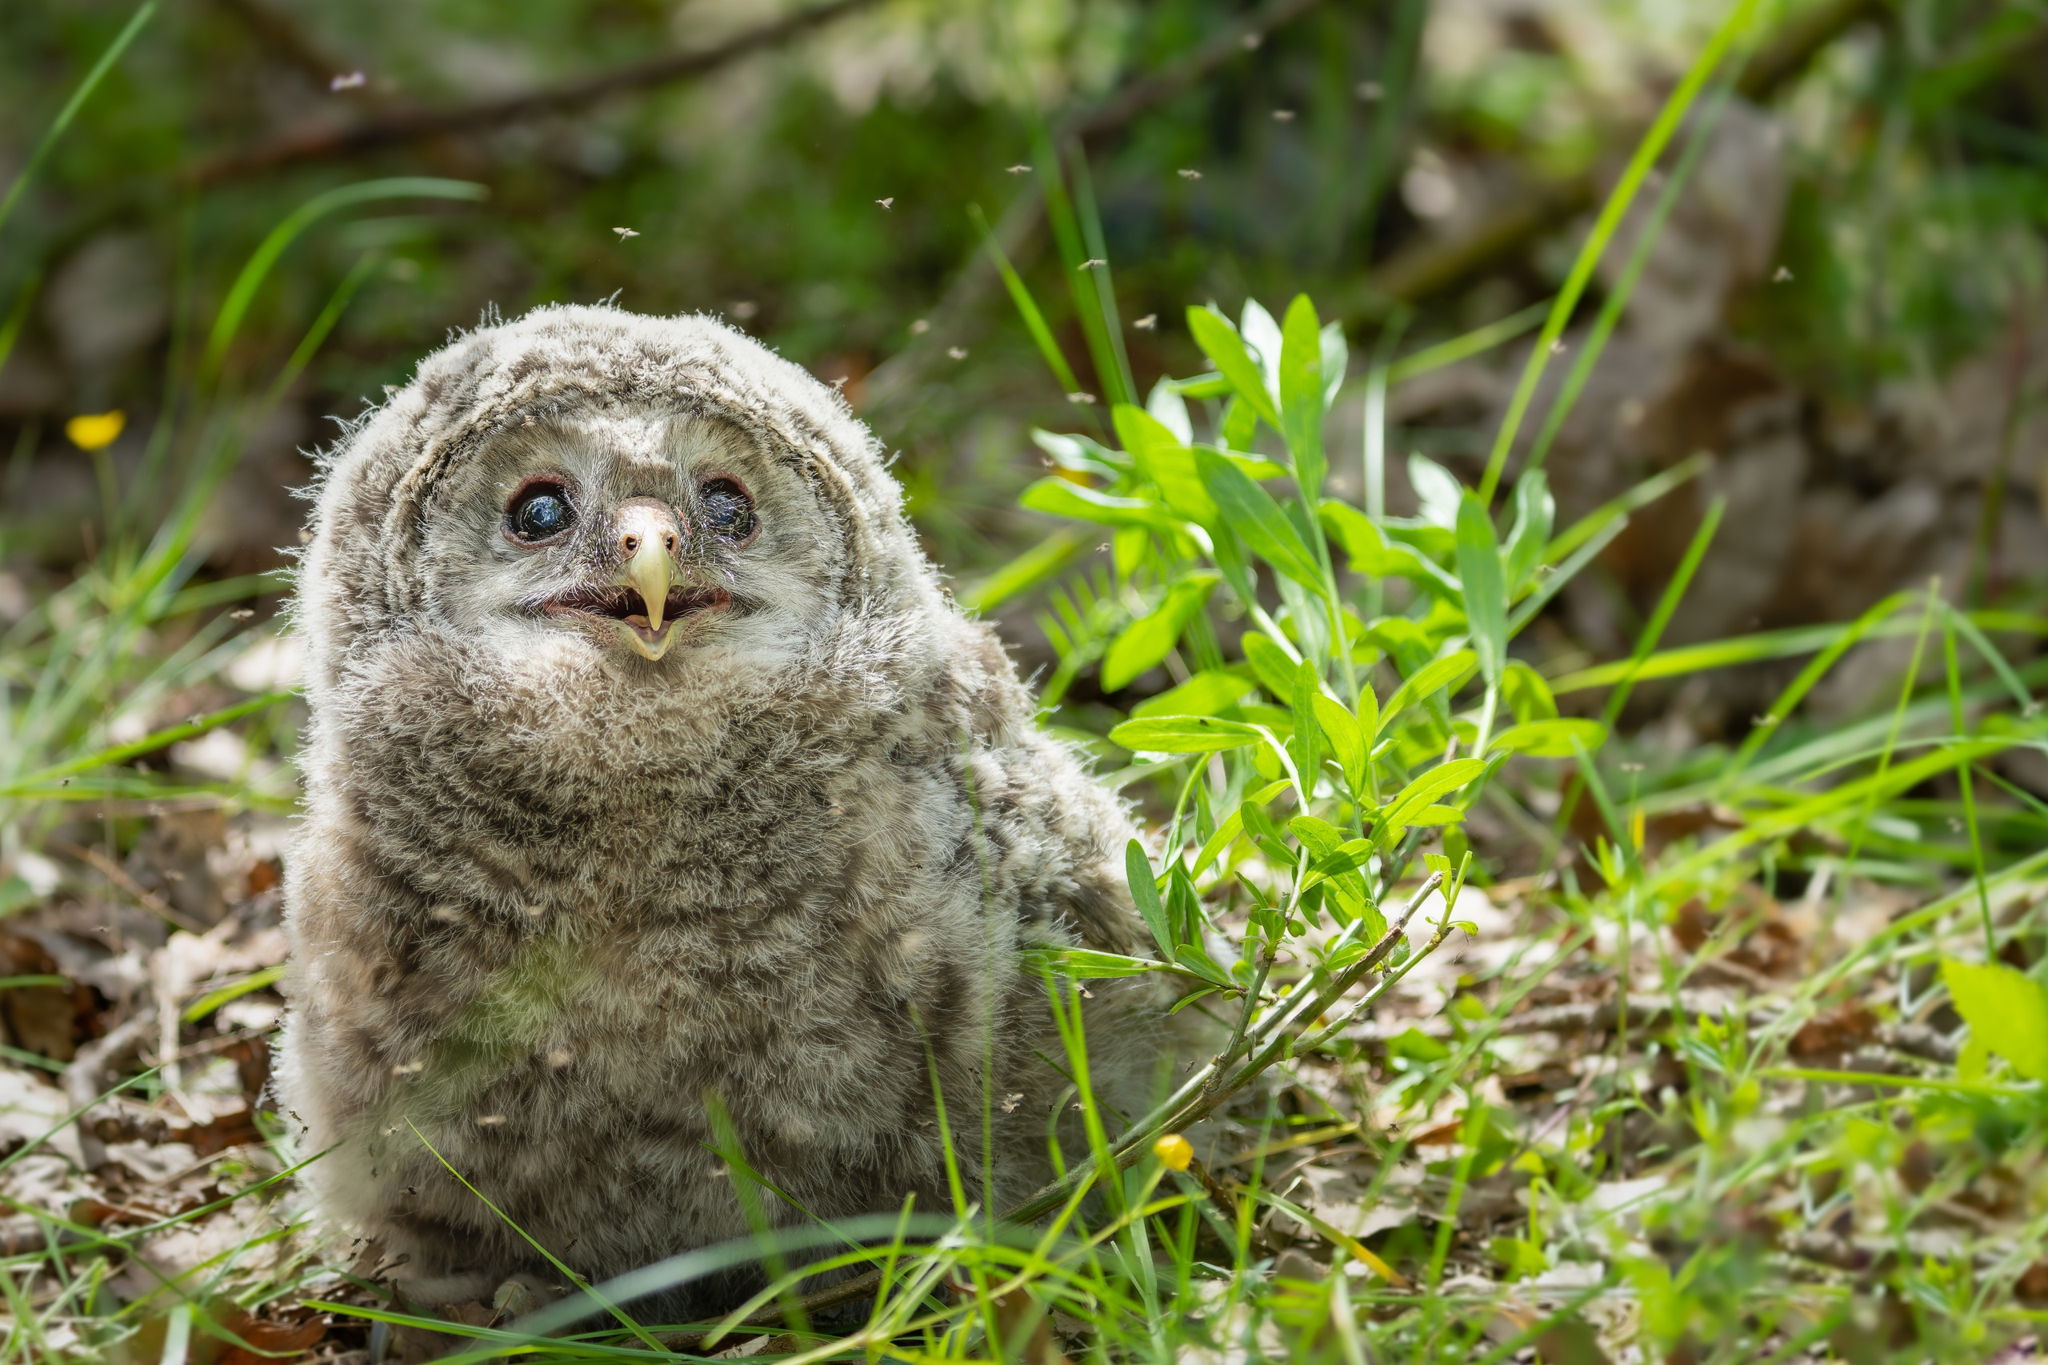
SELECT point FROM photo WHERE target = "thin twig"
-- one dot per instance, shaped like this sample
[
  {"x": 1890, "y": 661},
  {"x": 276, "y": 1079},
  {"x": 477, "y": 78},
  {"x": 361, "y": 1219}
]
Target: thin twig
[{"x": 118, "y": 875}]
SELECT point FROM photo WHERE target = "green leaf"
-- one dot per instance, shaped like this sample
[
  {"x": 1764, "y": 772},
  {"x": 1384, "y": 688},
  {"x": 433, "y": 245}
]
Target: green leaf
[
  {"x": 1044, "y": 560},
  {"x": 1086, "y": 964},
  {"x": 1271, "y": 664},
  {"x": 1255, "y": 467},
  {"x": 1064, "y": 498},
  {"x": 1079, "y": 453},
  {"x": 55, "y": 129},
  {"x": 2005, "y": 1008},
  {"x": 1613, "y": 210},
  {"x": 1174, "y": 471},
  {"x": 161, "y": 739},
  {"x": 1301, "y": 394},
  {"x": 1193, "y": 960},
  {"x": 234, "y": 990},
  {"x": 1208, "y": 693},
  {"x": 1308, "y": 688},
  {"x": 1527, "y": 692},
  {"x": 1319, "y": 837},
  {"x": 1437, "y": 492},
  {"x": 1142, "y": 434},
  {"x": 242, "y": 293},
  {"x": 1535, "y": 510},
  {"x": 1145, "y": 894},
  {"x": 1423, "y": 790},
  {"x": 1262, "y": 338},
  {"x": 1346, "y": 739},
  {"x": 1182, "y": 735},
  {"x": 1433, "y": 815},
  {"x": 1027, "y": 307},
  {"x": 1240, "y": 424},
  {"x": 1130, "y": 547},
  {"x": 1486, "y": 594},
  {"x": 1169, "y": 408},
  {"x": 1372, "y": 554},
  {"x": 1447, "y": 672},
  {"x": 1212, "y": 847},
  {"x": 1354, "y": 904},
  {"x": 1250, "y": 512},
  {"x": 1150, "y": 638},
  {"x": 1336, "y": 355},
  {"x": 1368, "y": 712},
  {"x": 1226, "y": 351},
  {"x": 1333, "y": 863},
  {"x": 1550, "y": 738},
  {"x": 1266, "y": 831}
]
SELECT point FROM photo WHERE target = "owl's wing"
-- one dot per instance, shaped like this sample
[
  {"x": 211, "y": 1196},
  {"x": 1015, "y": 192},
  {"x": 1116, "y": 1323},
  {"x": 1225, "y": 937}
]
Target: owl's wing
[{"x": 1056, "y": 838}]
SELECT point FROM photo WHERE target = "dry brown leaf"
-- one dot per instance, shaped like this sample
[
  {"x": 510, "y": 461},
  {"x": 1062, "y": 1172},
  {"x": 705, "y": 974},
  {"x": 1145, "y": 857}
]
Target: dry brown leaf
[{"x": 271, "y": 1339}]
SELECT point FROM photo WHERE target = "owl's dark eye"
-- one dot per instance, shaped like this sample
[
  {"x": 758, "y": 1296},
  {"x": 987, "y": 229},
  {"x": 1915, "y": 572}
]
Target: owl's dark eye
[
  {"x": 539, "y": 511},
  {"x": 728, "y": 511}
]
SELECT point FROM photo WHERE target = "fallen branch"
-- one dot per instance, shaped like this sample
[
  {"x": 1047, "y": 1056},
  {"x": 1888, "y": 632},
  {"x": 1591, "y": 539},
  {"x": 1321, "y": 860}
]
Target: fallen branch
[
  {"x": 282, "y": 34},
  {"x": 326, "y": 141}
]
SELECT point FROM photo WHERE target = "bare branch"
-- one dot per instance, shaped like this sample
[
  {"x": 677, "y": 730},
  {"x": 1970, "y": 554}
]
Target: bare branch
[
  {"x": 326, "y": 141},
  {"x": 282, "y": 34}
]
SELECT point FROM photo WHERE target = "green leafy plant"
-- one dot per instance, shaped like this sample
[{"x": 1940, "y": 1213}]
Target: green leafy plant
[{"x": 1315, "y": 752}]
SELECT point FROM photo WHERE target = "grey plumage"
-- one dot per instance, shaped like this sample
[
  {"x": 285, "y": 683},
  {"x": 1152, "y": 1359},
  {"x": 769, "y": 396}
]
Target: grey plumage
[{"x": 553, "y": 902}]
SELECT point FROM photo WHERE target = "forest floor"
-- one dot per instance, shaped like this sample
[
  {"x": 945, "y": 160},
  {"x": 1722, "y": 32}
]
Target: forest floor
[{"x": 1563, "y": 1132}]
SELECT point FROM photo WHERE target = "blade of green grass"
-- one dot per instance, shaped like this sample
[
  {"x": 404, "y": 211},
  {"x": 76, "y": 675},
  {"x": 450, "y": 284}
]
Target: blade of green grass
[
  {"x": 121, "y": 753},
  {"x": 1738, "y": 23},
  {"x": 1595, "y": 343},
  {"x": 1027, "y": 307},
  {"x": 235, "y": 306},
  {"x": 98, "y": 73},
  {"x": 1465, "y": 345}
]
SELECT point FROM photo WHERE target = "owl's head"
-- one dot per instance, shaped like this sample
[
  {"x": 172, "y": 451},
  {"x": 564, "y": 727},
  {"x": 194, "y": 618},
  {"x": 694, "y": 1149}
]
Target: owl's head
[
  {"x": 632, "y": 493},
  {"x": 637, "y": 528}
]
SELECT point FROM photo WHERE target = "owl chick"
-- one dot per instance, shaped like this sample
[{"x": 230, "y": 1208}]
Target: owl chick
[{"x": 670, "y": 838}]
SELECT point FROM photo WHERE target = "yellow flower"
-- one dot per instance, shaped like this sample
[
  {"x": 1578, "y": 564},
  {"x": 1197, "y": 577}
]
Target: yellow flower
[
  {"x": 96, "y": 431},
  {"x": 1175, "y": 1150}
]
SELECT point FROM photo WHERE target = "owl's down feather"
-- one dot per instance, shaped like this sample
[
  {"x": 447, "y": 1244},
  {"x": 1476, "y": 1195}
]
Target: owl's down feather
[{"x": 577, "y": 920}]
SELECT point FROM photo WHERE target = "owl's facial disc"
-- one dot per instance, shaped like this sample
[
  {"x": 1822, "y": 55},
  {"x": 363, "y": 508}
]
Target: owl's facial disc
[{"x": 644, "y": 597}]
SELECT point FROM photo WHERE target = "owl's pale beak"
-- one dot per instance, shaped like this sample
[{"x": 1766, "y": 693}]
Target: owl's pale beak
[{"x": 648, "y": 537}]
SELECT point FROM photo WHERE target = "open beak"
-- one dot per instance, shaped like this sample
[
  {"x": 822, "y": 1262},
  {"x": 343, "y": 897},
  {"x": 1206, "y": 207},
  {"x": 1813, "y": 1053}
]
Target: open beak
[
  {"x": 649, "y": 599},
  {"x": 648, "y": 536}
]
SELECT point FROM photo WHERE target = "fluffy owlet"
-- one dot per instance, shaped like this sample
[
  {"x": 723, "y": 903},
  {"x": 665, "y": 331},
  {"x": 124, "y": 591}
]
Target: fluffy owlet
[{"x": 660, "y": 802}]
